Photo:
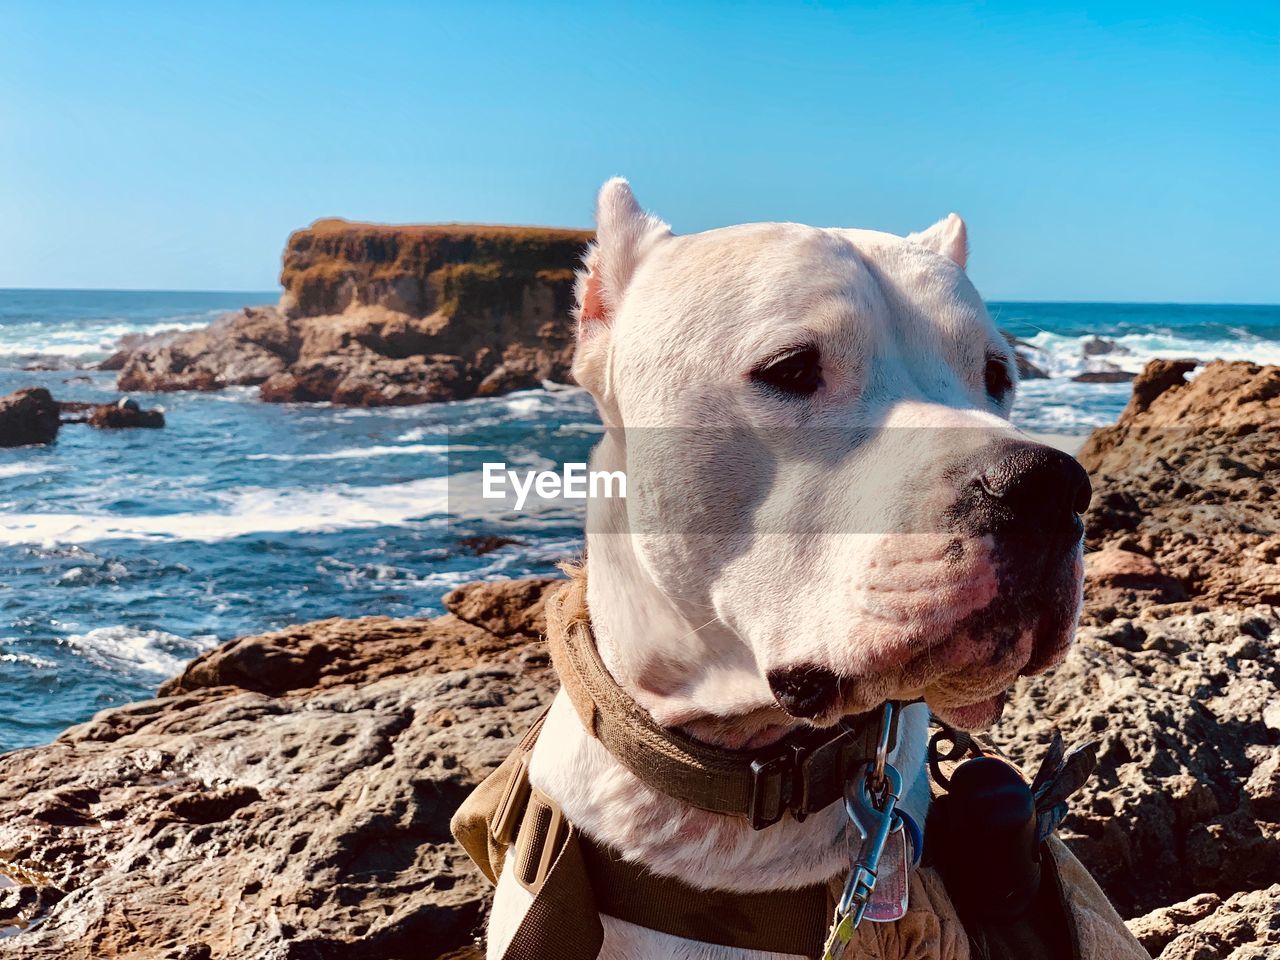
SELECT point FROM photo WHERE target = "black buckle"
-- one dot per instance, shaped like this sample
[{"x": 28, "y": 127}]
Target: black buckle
[
  {"x": 771, "y": 788},
  {"x": 787, "y": 781}
]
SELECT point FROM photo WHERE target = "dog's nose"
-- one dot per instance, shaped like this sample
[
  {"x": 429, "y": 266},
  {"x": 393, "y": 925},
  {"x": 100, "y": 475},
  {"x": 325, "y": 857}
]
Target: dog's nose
[{"x": 1038, "y": 486}]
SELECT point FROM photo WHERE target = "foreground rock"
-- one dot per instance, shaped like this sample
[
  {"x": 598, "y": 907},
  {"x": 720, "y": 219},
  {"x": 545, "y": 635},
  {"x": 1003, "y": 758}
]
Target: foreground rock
[
  {"x": 376, "y": 316},
  {"x": 28, "y": 417},
  {"x": 1186, "y": 797},
  {"x": 289, "y": 798},
  {"x": 1187, "y": 480}
]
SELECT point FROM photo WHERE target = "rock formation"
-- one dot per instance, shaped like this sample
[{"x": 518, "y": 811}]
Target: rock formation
[
  {"x": 1187, "y": 481},
  {"x": 28, "y": 417},
  {"x": 287, "y": 797},
  {"x": 122, "y": 415},
  {"x": 377, "y": 316}
]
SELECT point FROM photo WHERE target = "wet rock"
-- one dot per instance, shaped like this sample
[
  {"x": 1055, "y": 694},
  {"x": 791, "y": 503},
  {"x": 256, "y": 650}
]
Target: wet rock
[
  {"x": 1104, "y": 376},
  {"x": 124, "y": 415},
  {"x": 1022, "y": 354},
  {"x": 28, "y": 417},
  {"x": 1101, "y": 347},
  {"x": 384, "y": 316},
  {"x": 121, "y": 415},
  {"x": 485, "y": 543}
]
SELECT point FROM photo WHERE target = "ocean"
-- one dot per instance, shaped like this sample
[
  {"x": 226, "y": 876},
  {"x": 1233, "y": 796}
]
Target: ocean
[{"x": 124, "y": 554}]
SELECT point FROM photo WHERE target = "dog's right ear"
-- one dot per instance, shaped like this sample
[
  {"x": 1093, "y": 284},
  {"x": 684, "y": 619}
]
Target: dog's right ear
[{"x": 624, "y": 235}]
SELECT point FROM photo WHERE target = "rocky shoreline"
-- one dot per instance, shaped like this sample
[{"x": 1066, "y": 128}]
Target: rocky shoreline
[{"x": 287, "y": 797}]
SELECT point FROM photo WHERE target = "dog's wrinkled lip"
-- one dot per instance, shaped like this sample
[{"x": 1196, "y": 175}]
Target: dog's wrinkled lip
[
  {"x": 974, "y": 716},
  {"x": 804, "y": 691}
]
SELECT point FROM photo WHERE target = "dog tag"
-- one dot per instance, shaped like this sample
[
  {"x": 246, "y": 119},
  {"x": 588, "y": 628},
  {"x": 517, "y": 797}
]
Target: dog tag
[
  {"x": 888, "y": 900},
  {"x": 889, "y": 896}
]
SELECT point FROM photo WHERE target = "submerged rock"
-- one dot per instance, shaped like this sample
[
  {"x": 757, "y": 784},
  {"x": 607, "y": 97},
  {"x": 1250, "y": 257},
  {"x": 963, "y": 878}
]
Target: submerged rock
[
  {"x": 1104, "y": 376},
  {"x": 28, "y": 417}
]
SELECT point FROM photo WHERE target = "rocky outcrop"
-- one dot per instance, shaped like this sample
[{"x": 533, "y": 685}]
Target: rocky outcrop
[
  {"x": 1187, "y": 481},
  {"x": 1186, "y": 797},
  {"x": 288, "y": 796},
  {"x": 28, "y": 417},
  {"x": 1244, "y": 927},
  {"x": 377, "y": 315}
]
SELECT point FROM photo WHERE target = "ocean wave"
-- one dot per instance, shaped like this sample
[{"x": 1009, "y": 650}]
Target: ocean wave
[
  {"x": 28, "y": 660},
  {"x": 247, "y": 512},
  {"x": 86, "y": 340},
  {"x": 127, "y": 650},
  {"x": 1064, "y": 356},
  {"x": 355, "y": 453},
  {"x": 21, "y": 469}
]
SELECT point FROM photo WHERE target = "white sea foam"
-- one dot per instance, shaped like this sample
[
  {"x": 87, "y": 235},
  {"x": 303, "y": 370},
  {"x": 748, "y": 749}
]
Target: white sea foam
[
  {"x": 246, "y": 511},
  {"x": 87, "y": 339},
  {"x": 28, "y": 660},
  {"x": 355, "y": 453},
  {"x": 1063, "y": 356},
  {"x": 23, "y": 469},
  {"x": 126, "y": 650}
]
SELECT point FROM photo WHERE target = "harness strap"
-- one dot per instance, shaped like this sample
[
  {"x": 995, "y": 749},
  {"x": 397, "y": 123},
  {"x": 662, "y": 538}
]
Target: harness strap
[
  {"x": 574, "y": 880},
  {"x": 801, "y": 774}
]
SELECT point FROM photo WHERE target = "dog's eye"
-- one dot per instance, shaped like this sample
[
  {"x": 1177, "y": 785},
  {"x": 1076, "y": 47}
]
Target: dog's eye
[
  {"x": 999, "y": 383},
  {"x": 798, "y": 373}
]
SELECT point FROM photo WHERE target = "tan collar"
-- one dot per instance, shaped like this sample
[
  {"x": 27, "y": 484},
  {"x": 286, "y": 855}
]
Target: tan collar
[{"x": 801, "y": 774}]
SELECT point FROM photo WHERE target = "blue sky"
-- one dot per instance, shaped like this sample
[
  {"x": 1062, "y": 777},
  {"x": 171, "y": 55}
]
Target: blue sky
[{"x": 1114, "y": 152}]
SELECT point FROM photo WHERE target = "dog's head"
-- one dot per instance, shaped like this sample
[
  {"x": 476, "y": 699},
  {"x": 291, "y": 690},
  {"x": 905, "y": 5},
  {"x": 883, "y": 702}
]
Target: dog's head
[{"x": 820, "y": 468}]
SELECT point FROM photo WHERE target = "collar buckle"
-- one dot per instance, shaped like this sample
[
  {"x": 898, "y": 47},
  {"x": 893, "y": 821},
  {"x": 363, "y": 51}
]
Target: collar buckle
[{"x": 799, "y": 777}]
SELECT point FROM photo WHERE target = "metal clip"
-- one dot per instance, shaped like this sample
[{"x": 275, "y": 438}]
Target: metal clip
[{"x": 871, "y": 801}]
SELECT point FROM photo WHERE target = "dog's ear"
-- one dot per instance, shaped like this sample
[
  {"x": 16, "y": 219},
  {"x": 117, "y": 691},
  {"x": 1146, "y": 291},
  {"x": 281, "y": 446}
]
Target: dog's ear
[
  {"x": 948, "y": 237},
  {"x": 624, "y": 234}
]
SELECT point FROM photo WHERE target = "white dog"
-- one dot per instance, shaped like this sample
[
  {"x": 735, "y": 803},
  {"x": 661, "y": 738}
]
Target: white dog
[{"x": 826, "y": 508}]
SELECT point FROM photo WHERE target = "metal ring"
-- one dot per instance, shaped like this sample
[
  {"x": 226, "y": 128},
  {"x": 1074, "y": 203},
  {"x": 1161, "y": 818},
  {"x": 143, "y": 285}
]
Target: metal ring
[{"x": 882, "y": 746}]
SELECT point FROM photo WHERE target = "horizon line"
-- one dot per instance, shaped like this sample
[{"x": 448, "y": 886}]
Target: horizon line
[{"x": 1056, "y": 300}]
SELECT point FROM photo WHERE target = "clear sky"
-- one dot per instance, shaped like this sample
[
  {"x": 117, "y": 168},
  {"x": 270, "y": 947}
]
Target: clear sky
[{"x": 1118, "y": 151}]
